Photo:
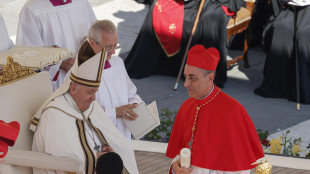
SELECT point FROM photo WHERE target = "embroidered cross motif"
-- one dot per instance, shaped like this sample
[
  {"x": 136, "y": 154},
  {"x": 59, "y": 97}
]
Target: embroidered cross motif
[
  {"x": 196, "y": 116},
  {"x": 158, "y": 7},
  {"x": 172, "y": 28}
]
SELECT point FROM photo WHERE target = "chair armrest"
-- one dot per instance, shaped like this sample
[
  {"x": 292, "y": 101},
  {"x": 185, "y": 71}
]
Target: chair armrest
[{"x": 42, "y": 160}]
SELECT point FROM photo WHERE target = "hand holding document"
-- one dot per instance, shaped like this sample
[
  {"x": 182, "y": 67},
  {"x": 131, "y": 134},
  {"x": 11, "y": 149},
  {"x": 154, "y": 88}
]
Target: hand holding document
[{"x": 147, "y": 121}]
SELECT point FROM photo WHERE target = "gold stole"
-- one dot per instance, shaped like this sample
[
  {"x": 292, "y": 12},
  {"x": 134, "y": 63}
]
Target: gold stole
[{"x": 90, "y": 157}]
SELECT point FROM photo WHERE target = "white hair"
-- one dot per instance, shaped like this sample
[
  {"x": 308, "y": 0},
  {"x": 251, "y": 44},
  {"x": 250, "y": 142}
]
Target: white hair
[
  {"x": 206, "y": 72},
  {"x": 99, "y": 26}
]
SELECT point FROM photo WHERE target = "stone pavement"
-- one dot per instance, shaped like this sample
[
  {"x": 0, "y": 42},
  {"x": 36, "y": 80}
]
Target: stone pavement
[{"x": 158, "y": 163}]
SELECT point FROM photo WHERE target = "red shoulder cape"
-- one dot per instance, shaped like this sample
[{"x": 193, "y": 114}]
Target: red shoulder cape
[{"x": 225, "y": 137}]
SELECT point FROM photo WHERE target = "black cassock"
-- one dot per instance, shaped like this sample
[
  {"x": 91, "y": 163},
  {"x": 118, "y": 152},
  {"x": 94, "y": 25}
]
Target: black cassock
[
  {"x": 280, "y": 67},
  {"x": 147, "y": 57}
]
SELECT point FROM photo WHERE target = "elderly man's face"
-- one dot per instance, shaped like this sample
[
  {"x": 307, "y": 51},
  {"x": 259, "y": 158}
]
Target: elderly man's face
[
  {"x": 108, "y": 41},
  {"x": 83, "y": 95},
  {"x": 196, "y": 83}
]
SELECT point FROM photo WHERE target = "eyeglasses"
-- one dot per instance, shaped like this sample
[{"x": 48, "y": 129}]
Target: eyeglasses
[{"x": 110, "y": 48}]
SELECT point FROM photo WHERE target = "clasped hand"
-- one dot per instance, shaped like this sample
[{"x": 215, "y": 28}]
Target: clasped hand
[
  {"x": 67, "y": 64},
  {"x": 105, "y": 149}
]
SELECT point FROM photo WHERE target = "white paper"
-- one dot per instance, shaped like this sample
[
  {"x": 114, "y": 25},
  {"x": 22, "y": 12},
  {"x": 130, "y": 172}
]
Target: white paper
[{"x": 147, "y": 121}]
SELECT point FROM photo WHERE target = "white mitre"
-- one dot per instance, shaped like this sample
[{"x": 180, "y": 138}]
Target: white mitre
[{"x": 87, "y": 70}]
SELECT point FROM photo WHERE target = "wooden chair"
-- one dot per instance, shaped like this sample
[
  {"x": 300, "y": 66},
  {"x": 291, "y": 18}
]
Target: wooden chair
[
  {"x": 22, "y": 93},
  {"x": 239, "y": 23}
]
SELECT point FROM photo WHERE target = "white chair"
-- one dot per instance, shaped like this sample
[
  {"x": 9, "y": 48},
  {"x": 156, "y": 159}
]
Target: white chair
[{"x": 19, "y": 100}]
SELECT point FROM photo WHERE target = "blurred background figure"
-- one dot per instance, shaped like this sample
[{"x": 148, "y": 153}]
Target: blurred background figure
[
  {"x": 160, "y": 50},
  {"x": 6, "y": 42},
  {"x": 280, "y": 66},
  {"x": 61, "y": 23}
]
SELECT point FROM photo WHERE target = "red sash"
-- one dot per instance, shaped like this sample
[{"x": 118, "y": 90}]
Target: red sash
[{"x": 168, "y": 17}]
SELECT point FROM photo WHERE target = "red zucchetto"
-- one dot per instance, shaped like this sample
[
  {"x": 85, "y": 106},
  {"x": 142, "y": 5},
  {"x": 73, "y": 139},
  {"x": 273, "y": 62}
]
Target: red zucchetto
[
  {"x": 203, "y": 58},
  {"x": 8, "y": 135}
]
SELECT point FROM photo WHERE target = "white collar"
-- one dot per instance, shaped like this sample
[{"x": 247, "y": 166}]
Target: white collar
[
  {"x": 73, "y": 104},
  {"x": 208, "y": 93}
]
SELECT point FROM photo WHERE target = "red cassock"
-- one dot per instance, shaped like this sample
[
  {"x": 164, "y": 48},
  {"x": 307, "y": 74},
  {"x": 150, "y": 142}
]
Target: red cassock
[{"x": 225, "y": 138}]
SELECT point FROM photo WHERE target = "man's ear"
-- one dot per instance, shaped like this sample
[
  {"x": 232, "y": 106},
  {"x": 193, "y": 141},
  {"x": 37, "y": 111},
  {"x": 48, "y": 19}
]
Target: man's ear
[
  {"x": 211, "y": 76},
  {"x": 91, "y": 42},
  {"x": 72, "y": 88}
]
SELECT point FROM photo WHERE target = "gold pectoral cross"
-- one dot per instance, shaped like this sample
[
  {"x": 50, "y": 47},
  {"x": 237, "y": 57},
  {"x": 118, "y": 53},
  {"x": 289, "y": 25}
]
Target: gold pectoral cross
[{"x": 97, "y": 147}]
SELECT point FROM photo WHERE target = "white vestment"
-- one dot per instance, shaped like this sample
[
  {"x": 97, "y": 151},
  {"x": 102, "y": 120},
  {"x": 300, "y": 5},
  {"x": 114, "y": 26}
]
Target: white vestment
[
  {"x": 41, "y": 24},
  {"x": 5, "y": 41},
  {"x": 57, "y": 133},
  {"x": 199, "y": 170},
  {"x": 116, "y": 89}
]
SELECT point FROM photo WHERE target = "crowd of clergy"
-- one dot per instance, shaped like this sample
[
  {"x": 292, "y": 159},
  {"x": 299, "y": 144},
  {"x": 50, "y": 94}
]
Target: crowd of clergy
[{"x": 93, "y": 93}]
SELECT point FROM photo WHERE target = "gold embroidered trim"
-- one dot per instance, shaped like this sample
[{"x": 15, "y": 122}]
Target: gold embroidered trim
[
  {"x": 103, "y": 140},
  {"x": 84, "y": 81},
  {"x": 99, "y": 133},
  {"x": 168, "y": 55},
  {"x": 158, "y": 6},
  {"x": 172, "y": 28},
  {"x": 35, "y": 121},
  {"x": 103, "y": 52},
  {"x": 90, "y": 160},
  {"x": 53, "y": 107},
  {"x": 196, "y": 116},
  {"x": 13, "y": 72}
]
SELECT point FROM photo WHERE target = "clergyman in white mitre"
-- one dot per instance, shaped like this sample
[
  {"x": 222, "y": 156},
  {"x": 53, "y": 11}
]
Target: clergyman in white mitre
[{"x": 71, "y": 123}]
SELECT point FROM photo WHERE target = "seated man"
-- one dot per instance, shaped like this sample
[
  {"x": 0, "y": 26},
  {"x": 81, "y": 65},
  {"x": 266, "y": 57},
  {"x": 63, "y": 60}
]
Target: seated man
[
  {"x": 161, "y": 43},
  {"x": 64, "y": 24},
  {"x": 6, "y": 42},
  {"x": 214, "y": 126},
  {"x": 280, "y": 66},
  {"x": 117, "y": 93},
  {"x": 71, "y": 123}
]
